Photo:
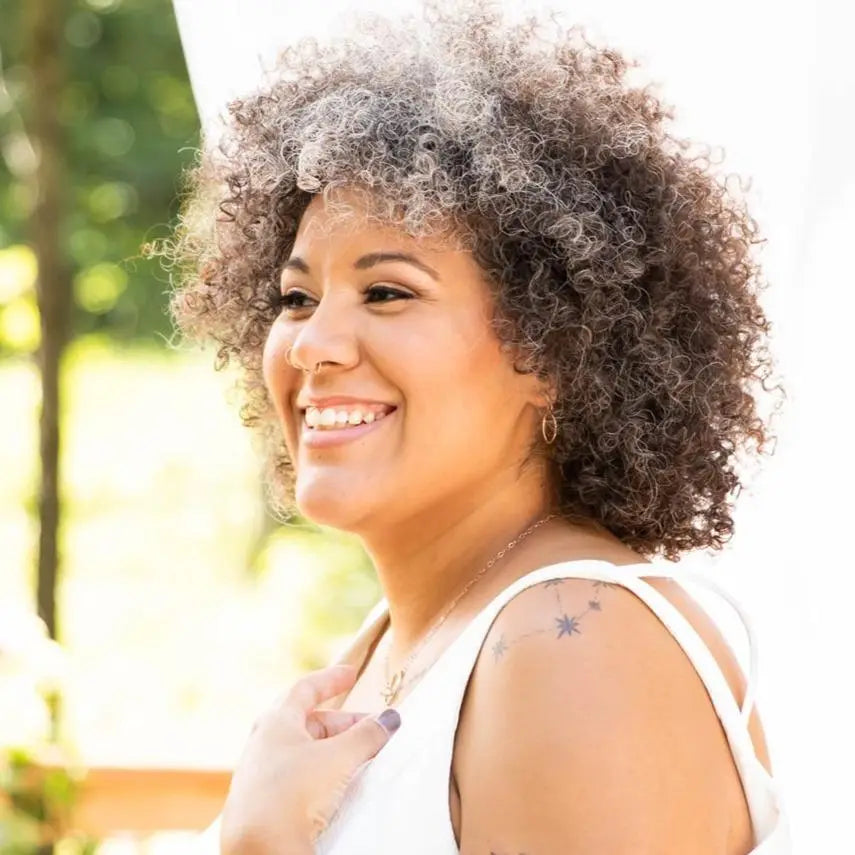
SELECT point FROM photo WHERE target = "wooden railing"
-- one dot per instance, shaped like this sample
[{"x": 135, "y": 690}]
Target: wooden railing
[{"x": 144, "y": 801}]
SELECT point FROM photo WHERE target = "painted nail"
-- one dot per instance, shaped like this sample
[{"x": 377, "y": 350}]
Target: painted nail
[{"x": 389, "y": 719}]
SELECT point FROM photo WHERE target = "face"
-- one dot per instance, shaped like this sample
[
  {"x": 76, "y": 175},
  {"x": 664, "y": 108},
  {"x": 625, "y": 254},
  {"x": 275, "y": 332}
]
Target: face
[{"x": 416, "y": 405}]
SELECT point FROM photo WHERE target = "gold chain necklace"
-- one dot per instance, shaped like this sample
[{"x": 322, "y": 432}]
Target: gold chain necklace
[{"x": 395, "y": 684}]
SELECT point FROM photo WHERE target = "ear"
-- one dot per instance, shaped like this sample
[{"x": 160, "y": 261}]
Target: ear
[
  {"x": 546, "y": 395},
  {"x": 541, "y": 393}
]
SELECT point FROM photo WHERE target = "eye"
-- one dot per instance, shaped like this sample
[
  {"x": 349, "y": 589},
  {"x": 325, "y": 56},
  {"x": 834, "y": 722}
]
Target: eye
[
  {"x": 291, "y": 300},
  {"x": 392, "y": 293},
  {"x": 294, "y": 300}
]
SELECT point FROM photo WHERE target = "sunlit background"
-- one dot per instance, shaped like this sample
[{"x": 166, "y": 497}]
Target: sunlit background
[{"x": 182, "y": 606}]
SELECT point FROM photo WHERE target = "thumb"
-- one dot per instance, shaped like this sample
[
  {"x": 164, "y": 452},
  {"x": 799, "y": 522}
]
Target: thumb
[{"x": 364, "y": 739}]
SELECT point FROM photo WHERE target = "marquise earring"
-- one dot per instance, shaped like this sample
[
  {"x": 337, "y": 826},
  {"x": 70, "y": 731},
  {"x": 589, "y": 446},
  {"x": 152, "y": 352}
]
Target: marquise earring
[{"x": 553, "y": 427}]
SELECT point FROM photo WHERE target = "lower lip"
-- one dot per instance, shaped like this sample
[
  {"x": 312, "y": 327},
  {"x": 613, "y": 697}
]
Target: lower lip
[{"x": 312, "y": 438}]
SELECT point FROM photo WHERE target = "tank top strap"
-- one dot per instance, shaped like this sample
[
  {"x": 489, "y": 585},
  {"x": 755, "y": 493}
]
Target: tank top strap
[
  {"x": 354, "y": 647},
  {"x": 636, "y": 573},
  {"x": 684, "y": 574},
  {"x": 760, "y": 788}
]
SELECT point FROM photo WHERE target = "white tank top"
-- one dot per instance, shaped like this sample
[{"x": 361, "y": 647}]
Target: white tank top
[{"x": 398, "y": 801}]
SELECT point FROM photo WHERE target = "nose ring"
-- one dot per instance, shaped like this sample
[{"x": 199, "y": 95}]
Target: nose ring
[{"x": 308, "y": 371}]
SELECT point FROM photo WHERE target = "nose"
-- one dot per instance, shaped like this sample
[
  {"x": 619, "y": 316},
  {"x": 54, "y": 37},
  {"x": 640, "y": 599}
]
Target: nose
[{"x": 327, "y": 336}]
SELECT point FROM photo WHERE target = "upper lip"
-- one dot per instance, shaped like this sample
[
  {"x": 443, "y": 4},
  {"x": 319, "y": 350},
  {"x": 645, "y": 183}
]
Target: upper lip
[{"x": 333, "y": 400}]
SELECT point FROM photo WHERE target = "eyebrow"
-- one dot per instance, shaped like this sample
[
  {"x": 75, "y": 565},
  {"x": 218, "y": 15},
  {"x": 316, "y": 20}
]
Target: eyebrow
[{"x": 369, "y": 260}]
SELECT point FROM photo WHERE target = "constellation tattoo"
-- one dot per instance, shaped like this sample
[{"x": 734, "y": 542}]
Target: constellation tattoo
[{"x": 564, "y": 624}]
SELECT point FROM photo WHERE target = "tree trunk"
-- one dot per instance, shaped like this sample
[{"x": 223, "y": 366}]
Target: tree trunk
[{"x": 45, "y": 21}]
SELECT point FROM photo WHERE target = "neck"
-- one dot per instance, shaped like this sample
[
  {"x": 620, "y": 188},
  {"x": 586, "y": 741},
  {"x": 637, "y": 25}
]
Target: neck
[{"x": 423, "y": 562}]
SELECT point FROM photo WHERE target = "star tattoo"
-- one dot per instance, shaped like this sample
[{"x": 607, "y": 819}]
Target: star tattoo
[
  {"x": 499, "y": 648},
  {"x": 567, "y": 625}
]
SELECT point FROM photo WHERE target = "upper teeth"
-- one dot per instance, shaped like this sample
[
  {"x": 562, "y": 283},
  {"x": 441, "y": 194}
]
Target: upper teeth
[{"x": 335, "y": 417}]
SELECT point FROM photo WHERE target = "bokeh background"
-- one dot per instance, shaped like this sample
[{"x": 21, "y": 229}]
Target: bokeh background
[
  {"x": 182, "y": 606},
  {"x": 173, "y": 606}
]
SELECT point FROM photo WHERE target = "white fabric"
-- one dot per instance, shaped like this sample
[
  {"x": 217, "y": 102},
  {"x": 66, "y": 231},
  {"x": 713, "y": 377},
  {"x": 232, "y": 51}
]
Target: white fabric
[{"x": 398, "y": 801}]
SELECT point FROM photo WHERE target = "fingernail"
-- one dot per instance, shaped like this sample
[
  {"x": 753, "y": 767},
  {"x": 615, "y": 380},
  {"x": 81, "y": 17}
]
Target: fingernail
[{"x": 389, "y": 719}]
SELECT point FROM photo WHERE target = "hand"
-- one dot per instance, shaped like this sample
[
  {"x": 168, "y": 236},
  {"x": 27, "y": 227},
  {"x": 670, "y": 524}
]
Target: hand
[{"x": 296, "y": 766}]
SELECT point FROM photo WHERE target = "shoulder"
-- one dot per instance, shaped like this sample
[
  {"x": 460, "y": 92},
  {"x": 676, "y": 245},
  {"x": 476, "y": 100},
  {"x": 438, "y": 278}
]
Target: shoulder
[{"x": 584, "y": 721}]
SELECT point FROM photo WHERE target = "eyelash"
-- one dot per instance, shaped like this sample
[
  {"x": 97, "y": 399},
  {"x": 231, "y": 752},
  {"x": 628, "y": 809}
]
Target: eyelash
[{"x": 284, "y": 301}]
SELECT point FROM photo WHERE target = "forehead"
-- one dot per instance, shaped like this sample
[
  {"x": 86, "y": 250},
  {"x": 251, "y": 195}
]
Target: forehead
[
  {"x": 329, "y": 225},
  {"x": 348, "y": 220},
  {"x": 339, "y": 235}
]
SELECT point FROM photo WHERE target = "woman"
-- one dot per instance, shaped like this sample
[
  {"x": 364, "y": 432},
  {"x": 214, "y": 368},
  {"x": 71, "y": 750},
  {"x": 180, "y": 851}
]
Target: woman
[{"x": 496, "y": 321}]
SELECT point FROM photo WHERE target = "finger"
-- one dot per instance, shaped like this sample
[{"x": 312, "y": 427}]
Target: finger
[
  {"x": 318, "y": 686},
  {"x": 323, "y": 724},
  {"x": 362, "y": 741}
]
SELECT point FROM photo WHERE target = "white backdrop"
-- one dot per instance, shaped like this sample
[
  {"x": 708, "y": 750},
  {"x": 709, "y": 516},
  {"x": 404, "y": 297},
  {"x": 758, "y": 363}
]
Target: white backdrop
[{"x": 774, "y": 86}]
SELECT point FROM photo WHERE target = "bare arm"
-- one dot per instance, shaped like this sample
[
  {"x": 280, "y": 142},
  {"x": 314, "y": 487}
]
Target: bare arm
[{"x": 587, "y": 730}]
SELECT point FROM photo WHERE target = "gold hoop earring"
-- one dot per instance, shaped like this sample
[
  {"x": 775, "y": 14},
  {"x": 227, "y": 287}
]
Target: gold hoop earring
[{"x": 549, "y": 439}]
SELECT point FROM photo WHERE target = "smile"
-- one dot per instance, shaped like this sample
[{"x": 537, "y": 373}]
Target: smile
[{"x": 334, "y": 426}]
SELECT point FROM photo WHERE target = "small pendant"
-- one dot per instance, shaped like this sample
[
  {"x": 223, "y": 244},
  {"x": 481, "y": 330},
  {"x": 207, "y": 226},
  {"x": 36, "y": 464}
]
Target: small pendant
[{"x": 392, "y": 688}]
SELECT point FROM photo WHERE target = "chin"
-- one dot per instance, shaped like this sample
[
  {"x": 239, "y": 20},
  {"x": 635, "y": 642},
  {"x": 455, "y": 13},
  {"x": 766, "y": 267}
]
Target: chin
[{"x": 331, "y": 504}]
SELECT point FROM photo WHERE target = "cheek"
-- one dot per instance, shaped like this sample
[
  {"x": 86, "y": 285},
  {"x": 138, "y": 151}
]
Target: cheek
[
  {"x": 460, "y": 393},
  {"x": 273, "y": 365}
]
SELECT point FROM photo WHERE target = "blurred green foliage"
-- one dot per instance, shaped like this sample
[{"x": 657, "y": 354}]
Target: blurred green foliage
[
  {"x": 164, "y": 523},
  {"x": 184, "y": 611},
  {"x": 131, "y": 126},
  {"x": 38, "y": 803},
  {"x": 40, "y": 771}
]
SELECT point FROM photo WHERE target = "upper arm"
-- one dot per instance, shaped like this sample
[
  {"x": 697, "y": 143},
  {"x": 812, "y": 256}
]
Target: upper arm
[{"x": 587, "y": 730}]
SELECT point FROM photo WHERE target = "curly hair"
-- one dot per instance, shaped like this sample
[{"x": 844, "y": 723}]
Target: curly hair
[{"x": 619, "y": 263}]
